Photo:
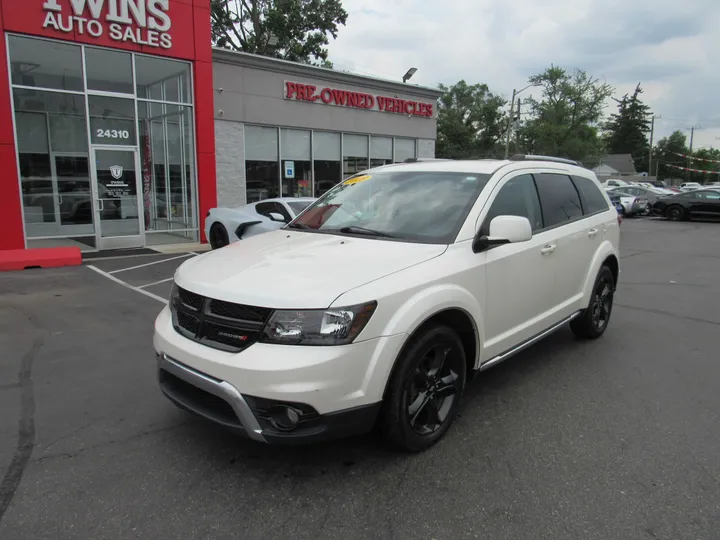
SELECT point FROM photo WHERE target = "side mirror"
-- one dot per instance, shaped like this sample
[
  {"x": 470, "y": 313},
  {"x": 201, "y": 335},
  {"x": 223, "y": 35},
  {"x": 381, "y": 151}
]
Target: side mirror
[
  {"x": 504, "y": 230},
  {"x": 274, "y": 216}
]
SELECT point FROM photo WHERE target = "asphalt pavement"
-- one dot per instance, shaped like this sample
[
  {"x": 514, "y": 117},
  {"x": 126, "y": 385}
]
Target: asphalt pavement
[{"x": 613, "y": 439}]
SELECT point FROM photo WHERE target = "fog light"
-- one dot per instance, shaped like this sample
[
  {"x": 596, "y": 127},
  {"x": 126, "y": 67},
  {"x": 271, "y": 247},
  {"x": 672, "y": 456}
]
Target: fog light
[{"x": 284, "y": 418}]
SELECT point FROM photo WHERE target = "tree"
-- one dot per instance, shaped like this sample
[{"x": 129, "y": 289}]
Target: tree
[
  {"x": 295, "y": 30},
  {"x": 626, "y": 132},
  {"x": 565, "y": 120},
  {"x": 666, "y": 153},
  {"x": 470, "y": 121}
]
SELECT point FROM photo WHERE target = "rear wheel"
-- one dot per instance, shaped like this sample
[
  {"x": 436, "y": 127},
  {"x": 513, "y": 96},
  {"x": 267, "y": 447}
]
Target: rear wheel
[
  {"x": 675, "y": 213},
  {"x": 218, "y": 236},
  {"x": 593, "y": 322},
  {"x": 425, "y": 389}
]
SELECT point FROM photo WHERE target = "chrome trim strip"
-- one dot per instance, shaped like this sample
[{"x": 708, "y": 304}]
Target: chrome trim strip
[
  {"x": 221, "y": 389},
  {"x": 525, "y": 344}
]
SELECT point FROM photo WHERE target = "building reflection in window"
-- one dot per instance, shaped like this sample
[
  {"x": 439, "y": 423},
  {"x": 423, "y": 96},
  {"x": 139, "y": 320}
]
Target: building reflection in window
[{"x": 262, "y": 170}]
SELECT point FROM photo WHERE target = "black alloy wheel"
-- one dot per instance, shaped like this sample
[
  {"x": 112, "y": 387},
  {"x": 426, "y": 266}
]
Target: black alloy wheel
[
  {"x": 593, "y": 321},
  {"x": 218, "y": 236},
  {"x": 675, "y": 213},
  {"x": 425, "y": 390}
]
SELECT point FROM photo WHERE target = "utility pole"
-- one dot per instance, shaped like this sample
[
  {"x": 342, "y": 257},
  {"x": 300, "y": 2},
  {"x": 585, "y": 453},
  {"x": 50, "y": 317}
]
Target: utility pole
[
  {"x": 509, "y": 127},
  {"x": 652, "y": 133},
  {"x": 689, "y": 162},
  {"x": 517, "y": 129}
]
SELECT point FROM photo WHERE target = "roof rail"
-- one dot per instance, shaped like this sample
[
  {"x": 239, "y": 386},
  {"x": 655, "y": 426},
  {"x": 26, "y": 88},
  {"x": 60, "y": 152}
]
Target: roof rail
[
  {"x": 528, "y": 157},
  {"x": 420, "y": 160}
]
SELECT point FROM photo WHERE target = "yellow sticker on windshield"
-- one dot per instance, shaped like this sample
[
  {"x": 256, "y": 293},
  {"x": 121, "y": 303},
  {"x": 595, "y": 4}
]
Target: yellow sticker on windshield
[{"x": 357, "y": 180}]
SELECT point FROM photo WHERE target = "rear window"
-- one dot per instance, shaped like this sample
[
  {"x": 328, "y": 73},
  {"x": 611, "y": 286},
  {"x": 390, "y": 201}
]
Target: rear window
[
  {"x": 592, "y": 199},
  {"x": 559, "y": 199}
]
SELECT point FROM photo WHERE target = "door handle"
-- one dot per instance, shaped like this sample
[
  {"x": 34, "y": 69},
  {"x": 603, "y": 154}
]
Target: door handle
[
  {"x": 59, "y": 199},
  {"x": 592, "y": 233},
  {"x": 101, "y": 205},
  {"x": 548, "y": 249}
]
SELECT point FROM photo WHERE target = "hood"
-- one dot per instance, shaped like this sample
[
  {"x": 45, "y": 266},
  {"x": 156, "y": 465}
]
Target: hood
[{"x": 288, "y": 269}]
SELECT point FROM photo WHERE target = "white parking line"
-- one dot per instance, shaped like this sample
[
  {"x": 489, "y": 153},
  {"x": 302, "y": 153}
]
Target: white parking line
[
  {"x": 151, "y": 263},
  {"x": 131, "y": 287},
  {"x": 155, "y": 283}
]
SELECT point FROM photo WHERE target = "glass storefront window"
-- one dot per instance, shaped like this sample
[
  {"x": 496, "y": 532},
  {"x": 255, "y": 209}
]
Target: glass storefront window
[
  {"x": 54, "y": 164},
  {"x": 326, "y": 152},
  {"x": 109, "y": 71},
  {"x": 262, "y": 170},
  {"x": 112, "y": 120},
  {"x": 45, "y": 64},
  {"x": 355, "y": 154},
  {"x": 160, "y": 79},
  {"x": 295, "y": 148},
  {"x": 381, "y": 150},
  {"x": 167, "y": 169},
  {"x": 404, "y": 149},
  {"x": 69, "y": 184}
]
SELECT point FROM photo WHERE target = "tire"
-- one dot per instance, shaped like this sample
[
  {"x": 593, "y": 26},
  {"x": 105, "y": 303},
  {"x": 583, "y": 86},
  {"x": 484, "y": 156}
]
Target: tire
[
  {"x": 218, "y": 236},
  {"x": 675, "y": 213},
  {"x": 421, "y": 401},
  {"x": 594, "y": 320}
]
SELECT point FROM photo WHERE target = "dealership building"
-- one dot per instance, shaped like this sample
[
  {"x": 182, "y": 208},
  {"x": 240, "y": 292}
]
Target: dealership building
[{"x": 120, "y": 125}]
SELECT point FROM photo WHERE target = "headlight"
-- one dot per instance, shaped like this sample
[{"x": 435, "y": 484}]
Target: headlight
[{"x": 336, "y": 326}]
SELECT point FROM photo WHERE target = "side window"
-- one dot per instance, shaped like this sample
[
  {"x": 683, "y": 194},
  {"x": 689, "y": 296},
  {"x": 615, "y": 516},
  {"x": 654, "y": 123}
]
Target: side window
[
  {"x": 518, "y": 197},
  {"x": 280, "y": 209},
  {"x": 559, "y": 199},
  {"x": 592, "y": 199},
  {"x": 264, "y": 208}
]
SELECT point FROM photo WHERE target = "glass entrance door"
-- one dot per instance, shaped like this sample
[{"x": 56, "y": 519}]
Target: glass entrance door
[{"x": 117, "y": 207}]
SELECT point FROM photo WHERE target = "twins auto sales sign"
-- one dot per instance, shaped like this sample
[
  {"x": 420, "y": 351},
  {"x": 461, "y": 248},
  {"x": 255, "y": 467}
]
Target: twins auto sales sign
[
  {"x": 356, "y": 100},
  {"x": 142, "y": 22}
]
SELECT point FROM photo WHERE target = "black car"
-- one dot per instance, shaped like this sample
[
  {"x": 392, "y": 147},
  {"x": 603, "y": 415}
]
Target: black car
[{"x": 701, "y": 203}]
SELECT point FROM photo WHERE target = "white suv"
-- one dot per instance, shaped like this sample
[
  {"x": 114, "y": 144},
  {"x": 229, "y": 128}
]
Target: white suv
[{"x": 376, "y": 304}]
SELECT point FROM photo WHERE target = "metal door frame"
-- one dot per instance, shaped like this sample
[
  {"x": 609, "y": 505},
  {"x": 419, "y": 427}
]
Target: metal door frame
[
  {"x": 57, "y": 197},
  {"x": 117, "y": 242}
]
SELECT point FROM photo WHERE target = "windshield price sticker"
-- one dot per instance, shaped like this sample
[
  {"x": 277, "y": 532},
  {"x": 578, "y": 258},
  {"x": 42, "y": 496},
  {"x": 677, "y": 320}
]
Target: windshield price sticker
[{"x": 357, "y": 180}]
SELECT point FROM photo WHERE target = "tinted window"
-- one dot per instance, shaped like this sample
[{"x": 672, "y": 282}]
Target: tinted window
[
  {"x": 518, "y": 197},
  {"x": 264, "y": 209},
  {"x": 559, "y": 198},
  {"x": 592, "y": 199},
  {"x": 712, "y": 195},
  {"x": 298, "y": 207}
]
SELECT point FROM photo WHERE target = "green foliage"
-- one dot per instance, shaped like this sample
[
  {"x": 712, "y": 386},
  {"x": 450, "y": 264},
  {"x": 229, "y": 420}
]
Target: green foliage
[
  {"x": 470, "y": 121},
  {"x": 627, "y": 130},
  {"x": 565, "y": 120},
  {"x": 295, "y": 30}
]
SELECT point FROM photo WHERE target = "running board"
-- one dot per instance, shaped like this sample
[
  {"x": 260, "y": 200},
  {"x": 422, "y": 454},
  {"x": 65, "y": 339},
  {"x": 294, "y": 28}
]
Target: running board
[{"x": 525, "y": 344}]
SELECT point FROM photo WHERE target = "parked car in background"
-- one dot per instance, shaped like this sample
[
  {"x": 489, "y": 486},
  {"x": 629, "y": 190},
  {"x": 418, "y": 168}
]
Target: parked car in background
[
  {"x": 614, "y": 183},
  {"x": 226, "y": 225},
  {"x": 689, "y": 186},
  {"x": 703, "y": 203},
  {"x": 651, "y": 194},
  {"x": 629, "y": 205}
]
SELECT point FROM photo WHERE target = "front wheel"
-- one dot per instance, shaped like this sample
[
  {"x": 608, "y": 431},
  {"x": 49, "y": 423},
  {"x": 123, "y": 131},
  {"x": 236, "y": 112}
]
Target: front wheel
[
  {"x": 593, "y": 321},
  {"x": 425, "y": 389}
]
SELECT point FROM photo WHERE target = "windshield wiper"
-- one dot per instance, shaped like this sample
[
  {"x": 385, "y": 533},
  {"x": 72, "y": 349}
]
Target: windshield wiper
[{"x": 362, "y": 230}]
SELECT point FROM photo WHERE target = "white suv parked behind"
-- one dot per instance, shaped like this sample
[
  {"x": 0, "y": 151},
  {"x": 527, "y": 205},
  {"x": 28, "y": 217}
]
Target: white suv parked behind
[{"x": 376, "y": 304}]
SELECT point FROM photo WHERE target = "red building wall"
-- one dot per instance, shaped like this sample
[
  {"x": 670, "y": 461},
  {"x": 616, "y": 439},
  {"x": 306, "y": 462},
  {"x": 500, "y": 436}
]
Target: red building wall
[{"x": 187, "y": 38}]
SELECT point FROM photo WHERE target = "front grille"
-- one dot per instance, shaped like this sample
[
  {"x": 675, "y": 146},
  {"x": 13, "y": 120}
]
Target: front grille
[{"x": 215, "y": 323}]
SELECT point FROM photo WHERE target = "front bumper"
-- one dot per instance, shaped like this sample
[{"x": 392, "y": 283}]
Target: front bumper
[{"x": 332, "y": 391}]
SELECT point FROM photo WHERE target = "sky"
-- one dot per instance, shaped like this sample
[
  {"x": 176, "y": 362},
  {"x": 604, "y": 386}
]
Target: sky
[{"x": 671, "y": 47}]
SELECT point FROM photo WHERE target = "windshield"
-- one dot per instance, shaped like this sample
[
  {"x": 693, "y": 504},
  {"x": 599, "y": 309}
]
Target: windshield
[
  {"x": 298, "y": 206},
  {"x": 427, "y": 207}
]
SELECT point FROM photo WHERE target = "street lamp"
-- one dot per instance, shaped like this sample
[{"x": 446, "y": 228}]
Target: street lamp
[
  {"x": 512, "y": 109},
  {"x": 409, "y": 74}
]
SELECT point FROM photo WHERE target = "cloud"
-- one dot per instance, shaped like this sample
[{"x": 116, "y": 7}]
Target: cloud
[{"x": 670, "y": 46}]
